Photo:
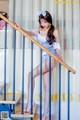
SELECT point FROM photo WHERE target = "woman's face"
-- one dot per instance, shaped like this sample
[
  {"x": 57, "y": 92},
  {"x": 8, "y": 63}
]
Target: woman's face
[{"x": 44, "y": 23}]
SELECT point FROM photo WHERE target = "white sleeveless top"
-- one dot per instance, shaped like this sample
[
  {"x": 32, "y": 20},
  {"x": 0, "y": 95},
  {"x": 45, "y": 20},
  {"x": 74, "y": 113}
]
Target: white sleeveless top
[{"x": 42, "y": 39}]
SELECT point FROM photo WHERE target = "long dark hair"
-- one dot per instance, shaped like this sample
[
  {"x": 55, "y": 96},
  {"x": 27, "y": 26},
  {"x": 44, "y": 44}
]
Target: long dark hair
[{"x": 46, "y": 15}]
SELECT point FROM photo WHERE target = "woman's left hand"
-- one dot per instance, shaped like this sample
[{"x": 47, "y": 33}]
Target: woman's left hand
[
  {"x": 58, "y": 54},
  {"x": 59, "y": 57}
]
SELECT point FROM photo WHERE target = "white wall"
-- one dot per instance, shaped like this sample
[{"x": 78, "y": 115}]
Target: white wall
[{"x": 65, "y": 18}]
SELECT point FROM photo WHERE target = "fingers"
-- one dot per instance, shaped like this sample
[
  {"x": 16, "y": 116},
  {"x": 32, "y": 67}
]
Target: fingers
[
  {"x": 17, "y": 25},
  {"x": 60, "y": 58}
]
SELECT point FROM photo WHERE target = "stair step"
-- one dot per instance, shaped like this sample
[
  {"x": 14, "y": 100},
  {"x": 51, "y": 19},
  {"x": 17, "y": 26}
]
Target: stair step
[
  {"x": 9, "y": 98},
  {"x": 36, "y": 117},
  {"x": 22, "y": 115},
  {"x": 18, "y": 114}
]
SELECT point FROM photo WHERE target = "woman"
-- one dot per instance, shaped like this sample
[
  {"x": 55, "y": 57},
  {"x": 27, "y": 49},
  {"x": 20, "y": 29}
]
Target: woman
[{"x": 48, "y": 36}]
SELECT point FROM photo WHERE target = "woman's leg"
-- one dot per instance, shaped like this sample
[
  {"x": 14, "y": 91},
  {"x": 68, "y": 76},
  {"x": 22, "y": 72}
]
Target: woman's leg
[
  {"x": 46, "y": 93},
  {"x": 36, "y": 72}
]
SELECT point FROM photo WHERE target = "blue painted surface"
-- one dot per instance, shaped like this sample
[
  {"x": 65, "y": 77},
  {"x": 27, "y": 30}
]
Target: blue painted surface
[
  {"x": 31, "y": 79},
  {"x": 49, "y": 88},
  {"x": 14, "y": 68},
  {"x": 14, "y": 65},
  {"x": 0, "y": 91},
  {"x": 59, "y": 116},
  {"x": 40, "y": 84},
  {"x": 68, "y": 95},
  {"x": 5, "y": 43},
  {"x": 23, "y": 57},
  {"x": 5, "y": 107}
]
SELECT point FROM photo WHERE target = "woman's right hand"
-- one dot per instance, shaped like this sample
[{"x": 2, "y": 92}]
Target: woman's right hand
[{"x": 17, "y": 25}]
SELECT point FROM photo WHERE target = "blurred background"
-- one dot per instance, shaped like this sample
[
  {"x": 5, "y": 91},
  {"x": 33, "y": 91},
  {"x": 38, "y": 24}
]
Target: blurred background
[{"x": 66, "y": 18}]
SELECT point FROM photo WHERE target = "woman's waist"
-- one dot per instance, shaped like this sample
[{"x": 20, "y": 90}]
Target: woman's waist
[{"x": 51, "y": 49}]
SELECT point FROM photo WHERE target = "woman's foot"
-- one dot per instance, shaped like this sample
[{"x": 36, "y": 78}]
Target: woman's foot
[
  {"x": 45, "y": 116},
  {"x": 28, "y": 108}
]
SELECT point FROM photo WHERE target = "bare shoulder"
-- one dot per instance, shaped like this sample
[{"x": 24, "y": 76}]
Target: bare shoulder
[{"x": 56, "y": 33}]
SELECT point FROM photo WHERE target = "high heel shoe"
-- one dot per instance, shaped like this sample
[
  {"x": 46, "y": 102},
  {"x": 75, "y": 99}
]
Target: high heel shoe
[{"x": 28, "y": 108}]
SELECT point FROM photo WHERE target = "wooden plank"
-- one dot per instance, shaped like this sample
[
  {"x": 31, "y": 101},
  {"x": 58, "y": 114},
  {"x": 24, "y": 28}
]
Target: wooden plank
[
  {"x": 22, "y": 115},
  {"x": 37, "y": 117},
  {"x": 18, "y": 114},
  {"x": 9, "y": 98}
]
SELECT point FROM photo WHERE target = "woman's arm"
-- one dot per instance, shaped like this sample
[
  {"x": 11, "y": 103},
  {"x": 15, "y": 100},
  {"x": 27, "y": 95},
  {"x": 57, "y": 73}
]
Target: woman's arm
[
  {"x": 58, "y": 51},
  {"x": 27, "y": 32}
]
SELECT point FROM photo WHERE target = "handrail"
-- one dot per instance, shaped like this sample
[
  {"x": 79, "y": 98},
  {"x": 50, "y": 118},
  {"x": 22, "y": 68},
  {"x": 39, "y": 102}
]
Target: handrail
[{"x": 38, "y": 44}]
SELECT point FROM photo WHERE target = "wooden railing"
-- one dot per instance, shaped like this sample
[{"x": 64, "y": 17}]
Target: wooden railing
[
  {"x": 38, "y": 44},
  {"x": 70, "y": 69}
]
